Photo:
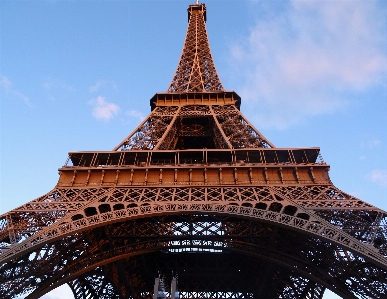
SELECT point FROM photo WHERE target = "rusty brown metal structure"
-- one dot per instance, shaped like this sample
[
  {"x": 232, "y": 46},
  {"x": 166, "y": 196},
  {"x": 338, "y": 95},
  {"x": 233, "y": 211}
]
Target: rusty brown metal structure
[{"x": 195, "y": 193}]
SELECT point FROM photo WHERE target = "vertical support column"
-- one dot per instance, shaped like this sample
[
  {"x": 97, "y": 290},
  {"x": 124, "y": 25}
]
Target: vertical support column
[
  {"x": 281, "y": 175},
  {"x": 131, "y": 176},
  {"x": 117, "y": 175},
  {"x": 296, "y": 174},
  {"x": 312, "y": 174},
  {"x": 74, "y": 176},
  {"x": 88, "y": 177},
  {"x": 156, "y": 288},
  {"x": 102, "y": 177},
  {"x": 265, "y": 175},
  {"x": 173, "y": 288},
  {"x": 376, "y": 226},
  {"x": 11, "y": 232}
]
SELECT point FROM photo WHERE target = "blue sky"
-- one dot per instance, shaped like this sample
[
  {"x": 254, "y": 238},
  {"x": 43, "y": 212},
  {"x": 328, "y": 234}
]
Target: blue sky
[{"x": 78, "y": 76}]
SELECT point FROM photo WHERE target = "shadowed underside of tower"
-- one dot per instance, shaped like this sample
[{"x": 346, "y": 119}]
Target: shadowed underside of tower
[{"x": 197, "y": 194}]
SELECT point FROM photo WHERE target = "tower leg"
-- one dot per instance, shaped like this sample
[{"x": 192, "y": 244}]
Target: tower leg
[
  {"x": 173, "y": 288},
  {"x": 156, "y": 287}
]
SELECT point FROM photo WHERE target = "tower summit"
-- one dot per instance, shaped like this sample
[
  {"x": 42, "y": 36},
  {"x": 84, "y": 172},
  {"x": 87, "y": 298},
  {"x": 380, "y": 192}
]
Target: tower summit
[
  {"x": 196, "y": 70},
  {"x": 198, "y": 199}
]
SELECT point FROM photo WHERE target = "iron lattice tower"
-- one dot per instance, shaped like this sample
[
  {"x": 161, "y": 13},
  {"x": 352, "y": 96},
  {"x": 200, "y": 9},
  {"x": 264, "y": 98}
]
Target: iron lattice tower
[{"x": 195, "y": 191}]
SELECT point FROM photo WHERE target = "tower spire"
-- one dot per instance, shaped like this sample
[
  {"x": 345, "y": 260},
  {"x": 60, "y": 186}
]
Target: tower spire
[{"x": 196, "y": 70}]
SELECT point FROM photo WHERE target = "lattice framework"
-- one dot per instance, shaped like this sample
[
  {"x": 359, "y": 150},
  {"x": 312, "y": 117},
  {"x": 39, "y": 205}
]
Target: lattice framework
[
  {"x": 196, "y": 69},
  {"x": 239, "y": 200},
  {"x": 165, "y": 127},
  {"x": 237, "y": 218}
]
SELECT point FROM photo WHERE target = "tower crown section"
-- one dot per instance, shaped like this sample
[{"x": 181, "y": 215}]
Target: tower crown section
[{"x": 196, "y": 70}]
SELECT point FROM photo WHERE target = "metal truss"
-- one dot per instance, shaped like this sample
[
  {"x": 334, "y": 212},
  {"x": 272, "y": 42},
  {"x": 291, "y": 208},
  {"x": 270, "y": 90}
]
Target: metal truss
[
  {"x": 247, "y": 240},
  {"x": 79, "y": 241},
  {"x": 93, "y": 285},
  {"x": 194, "y": 126},
  {"x": 149, "y": 132},
  {"x": 195, "y": 193},
  {"x": 237, "y": 129},
  {"x": 196, "y": 69}
]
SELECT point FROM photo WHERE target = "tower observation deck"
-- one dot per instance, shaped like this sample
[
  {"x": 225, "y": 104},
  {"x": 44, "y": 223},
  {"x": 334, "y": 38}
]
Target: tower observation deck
[{"x": 196, "y": 196}]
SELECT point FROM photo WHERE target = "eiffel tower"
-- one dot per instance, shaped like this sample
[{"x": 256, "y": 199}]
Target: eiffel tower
[{"x": 197, "y": 196}]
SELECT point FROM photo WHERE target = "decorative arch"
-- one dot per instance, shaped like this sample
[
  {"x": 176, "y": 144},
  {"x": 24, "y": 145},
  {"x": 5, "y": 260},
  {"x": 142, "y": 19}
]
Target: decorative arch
[{"x": 100, "y": 215}]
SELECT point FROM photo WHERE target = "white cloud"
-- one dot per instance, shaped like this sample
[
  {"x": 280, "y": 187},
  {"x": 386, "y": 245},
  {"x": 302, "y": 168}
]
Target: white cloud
[
  {"x": 97, "y": 85},
  {"x": 135, "y": 114},
  {"x": 101, "y": 83},
  {"x": 374, "y": 143},
  {"x": 103, "y": 109},
  {"x": 51, "y": 84},
  {"x": 6, "y": 85},
  {"x": 305, "y": 60},
  {"x": 370, "y": 143},
  {"x": 5, "y": 82},
  {"x": 378, "y": 176},
  {"x": 55, "y": 88}
]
